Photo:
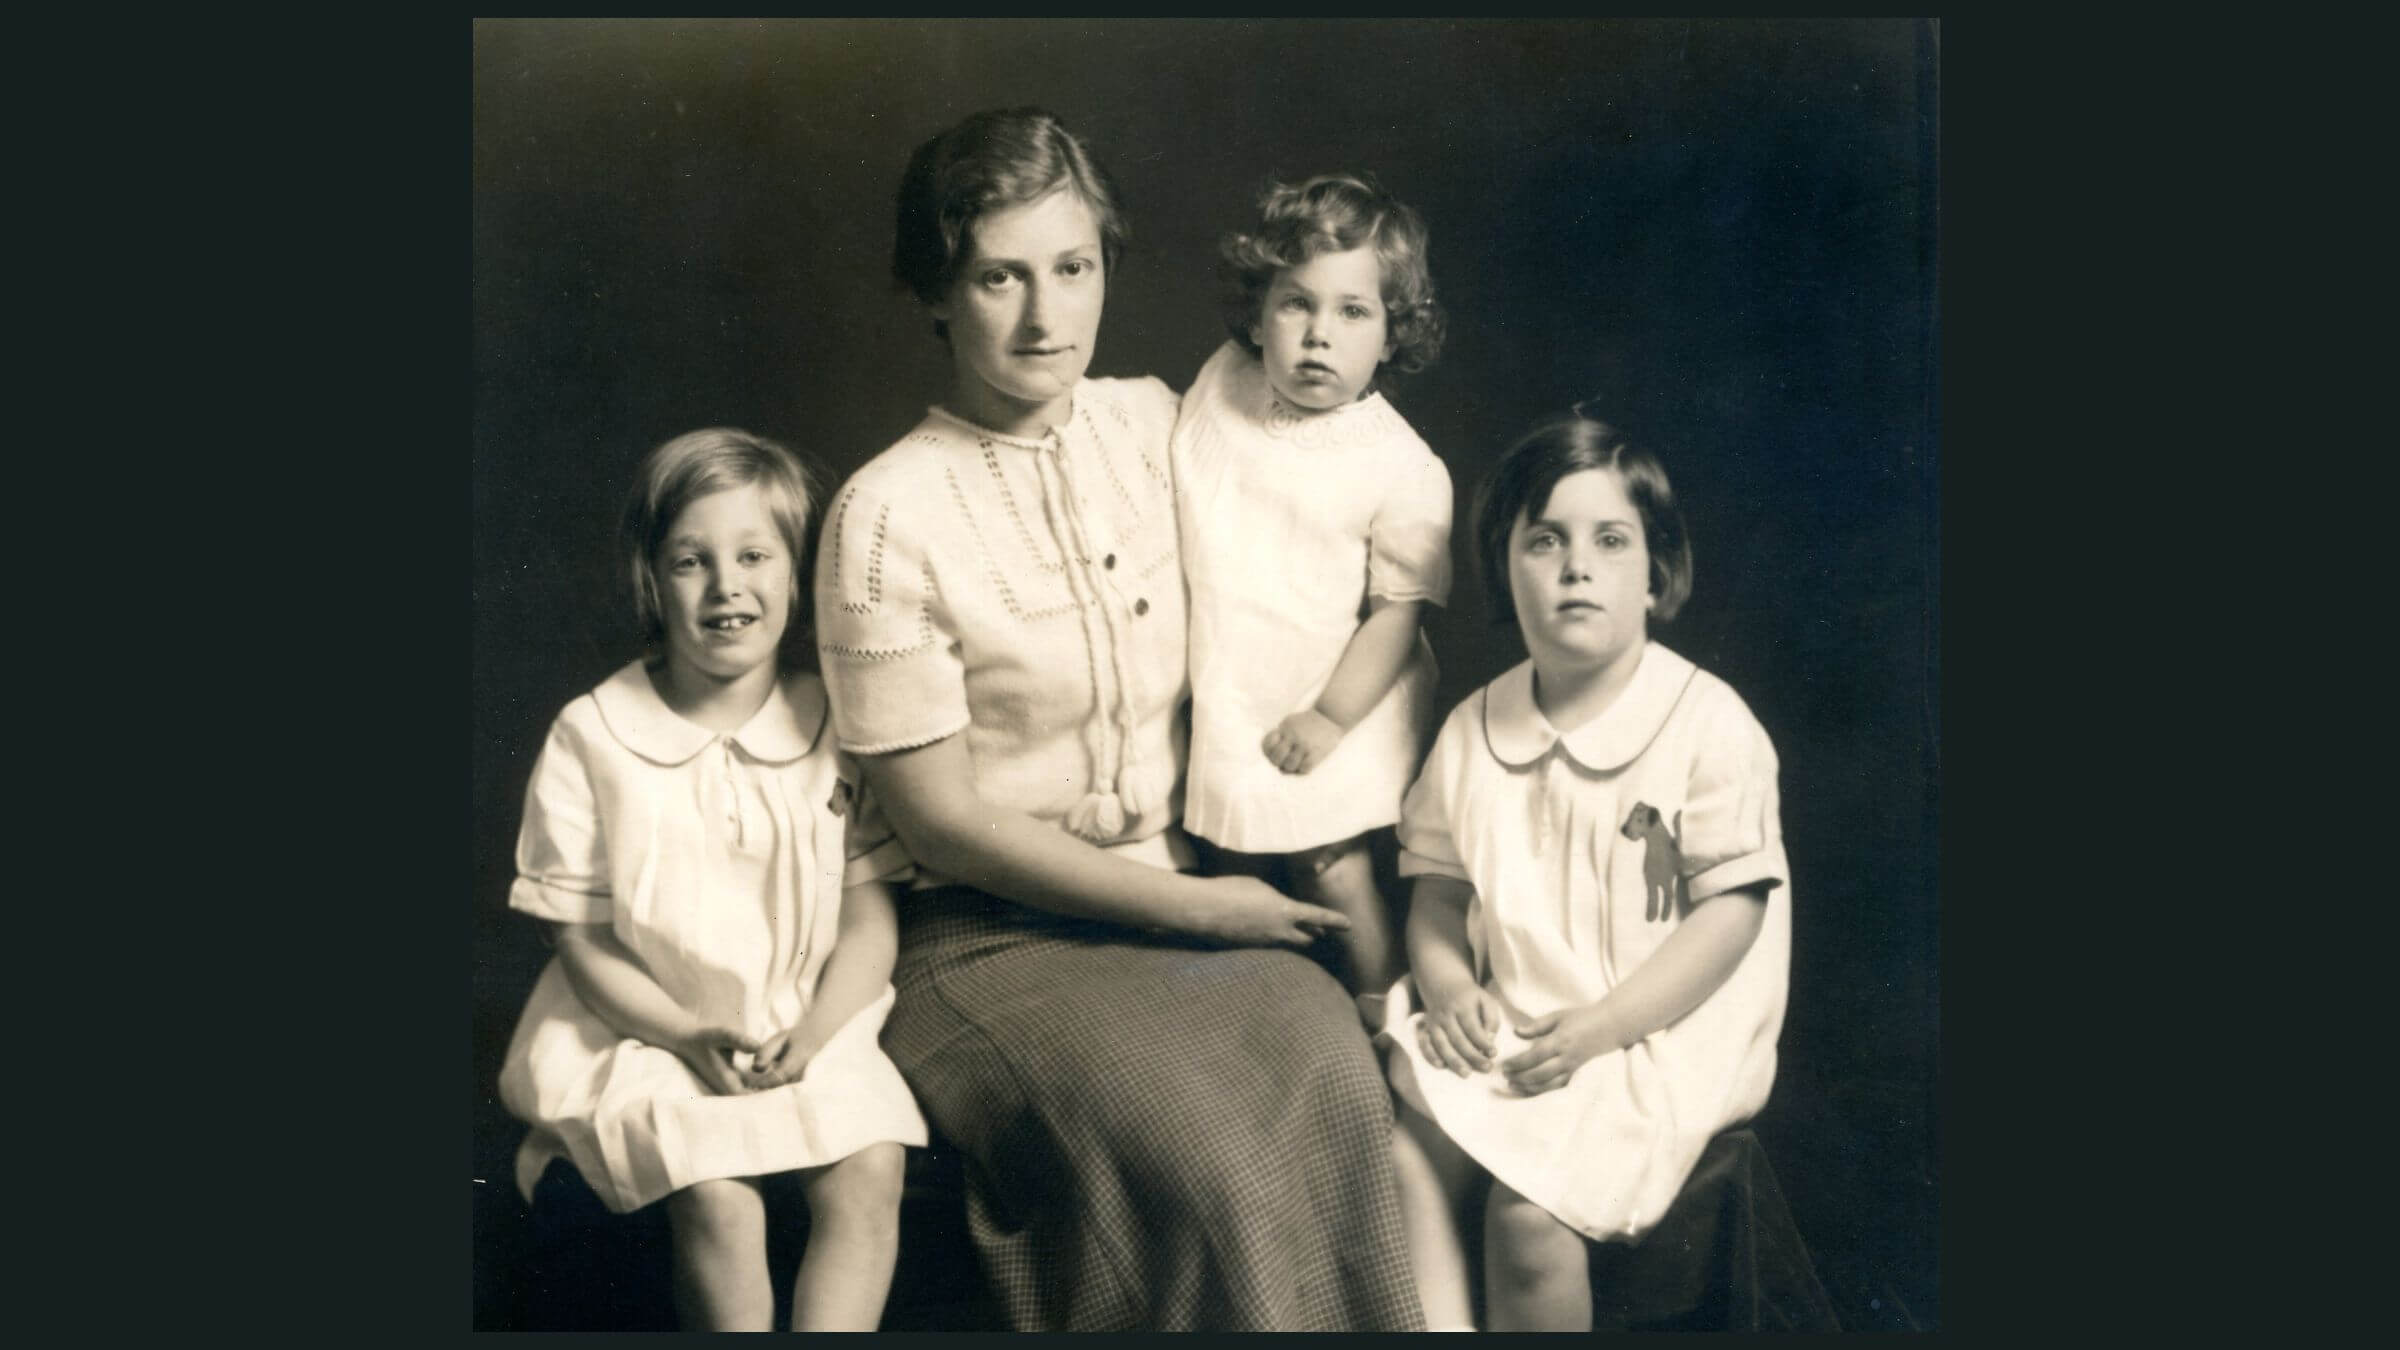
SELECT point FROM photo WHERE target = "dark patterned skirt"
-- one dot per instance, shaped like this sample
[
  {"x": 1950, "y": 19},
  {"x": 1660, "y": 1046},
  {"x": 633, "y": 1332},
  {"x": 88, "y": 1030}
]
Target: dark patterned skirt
[{"x": 1157, "y": 1135}]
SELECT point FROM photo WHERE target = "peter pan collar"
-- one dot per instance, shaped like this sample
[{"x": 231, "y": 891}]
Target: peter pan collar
[
  {"x": 1355, "y": 422},
  {"x": 1518, "y": 734},
  {"x": 783, "y": 729}
]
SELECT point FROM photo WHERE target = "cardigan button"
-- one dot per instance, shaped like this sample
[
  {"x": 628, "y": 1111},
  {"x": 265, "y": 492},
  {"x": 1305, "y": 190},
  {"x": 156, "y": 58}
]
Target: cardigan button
[
  {"x": 1109, "y": 562},
  {"x": 1141, "y": 606}
]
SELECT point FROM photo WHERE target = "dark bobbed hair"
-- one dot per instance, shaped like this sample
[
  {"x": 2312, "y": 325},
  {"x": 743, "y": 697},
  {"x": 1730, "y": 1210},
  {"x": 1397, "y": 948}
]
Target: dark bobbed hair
[
  {"x": 995, "y": 159},
  {"x": 692, "y": 466},
  {"x": 1334, "y": 213},
  {"x": 1519, "y": 487}
]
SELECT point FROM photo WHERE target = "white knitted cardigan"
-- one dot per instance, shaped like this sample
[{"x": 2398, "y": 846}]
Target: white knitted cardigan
[{"x": 1028, "y": 593}]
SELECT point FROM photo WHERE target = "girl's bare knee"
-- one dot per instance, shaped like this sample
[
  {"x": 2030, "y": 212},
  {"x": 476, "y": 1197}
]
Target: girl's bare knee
[
  {"x": 715, "y": 1210},
  {"x": 864, "y": 1186},
  {"x": 1524, "y": 1244}
]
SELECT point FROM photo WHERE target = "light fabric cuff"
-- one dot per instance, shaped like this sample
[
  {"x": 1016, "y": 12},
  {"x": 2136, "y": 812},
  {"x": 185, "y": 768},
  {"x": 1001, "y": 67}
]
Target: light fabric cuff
[
  {"x": 887, "y": 861},
  {"x": 1414, "y": 864},
  {"x": 910, "y": 741},
  {"x": 1734, "y": 873},
  {"x": 546, "y": 901}
]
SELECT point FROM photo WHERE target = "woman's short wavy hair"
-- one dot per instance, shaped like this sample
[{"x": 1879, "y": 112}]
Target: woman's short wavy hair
[
  {"x": 995, "y": 159},
  {"x": 1519, "y": 487},
  {"x": 1333, "y": 213},
  {"x": 692, "y": 466}
]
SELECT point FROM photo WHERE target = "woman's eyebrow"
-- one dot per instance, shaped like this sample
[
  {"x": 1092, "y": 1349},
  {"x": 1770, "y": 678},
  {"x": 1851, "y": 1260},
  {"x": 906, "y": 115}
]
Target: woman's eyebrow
[{"x": 995, "y": 260}]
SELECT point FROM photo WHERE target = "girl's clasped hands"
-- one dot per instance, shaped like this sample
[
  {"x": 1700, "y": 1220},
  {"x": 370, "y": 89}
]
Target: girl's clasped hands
[{"x": 1468, "y": 1030}]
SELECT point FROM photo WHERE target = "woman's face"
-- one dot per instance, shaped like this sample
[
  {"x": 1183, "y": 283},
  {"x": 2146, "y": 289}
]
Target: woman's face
[{"x": 1025, "y": 311}]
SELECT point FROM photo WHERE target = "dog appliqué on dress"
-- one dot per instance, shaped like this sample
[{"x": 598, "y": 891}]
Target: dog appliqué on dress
[{"x": 1665, "y": 893}]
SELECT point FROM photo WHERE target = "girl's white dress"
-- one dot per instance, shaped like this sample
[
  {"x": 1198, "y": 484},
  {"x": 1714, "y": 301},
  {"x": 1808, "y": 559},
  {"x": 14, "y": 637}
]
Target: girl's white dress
[
  {"x": 1289, "y": 521},
  {"x": 1585, "y": 851},
  {"x": 719, "y": 862}
]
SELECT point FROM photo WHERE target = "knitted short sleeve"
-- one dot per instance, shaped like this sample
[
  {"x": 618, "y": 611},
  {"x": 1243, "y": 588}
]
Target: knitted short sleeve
[{"x": 889, "y": 656}]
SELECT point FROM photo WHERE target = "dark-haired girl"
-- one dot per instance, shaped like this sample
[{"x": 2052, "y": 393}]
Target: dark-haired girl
[{"x": 1600, "y": 930}]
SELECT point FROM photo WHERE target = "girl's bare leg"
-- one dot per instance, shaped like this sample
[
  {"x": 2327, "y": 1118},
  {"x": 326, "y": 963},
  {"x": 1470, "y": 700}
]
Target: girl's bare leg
[
  {"x": 1342, "y": 877},
  {"x": 1535, "y": 1276},
  {"x": 721, "y": 1257},
  {"x": 853, "y": 1241},
  {"x": 1434, "y": 1175}
]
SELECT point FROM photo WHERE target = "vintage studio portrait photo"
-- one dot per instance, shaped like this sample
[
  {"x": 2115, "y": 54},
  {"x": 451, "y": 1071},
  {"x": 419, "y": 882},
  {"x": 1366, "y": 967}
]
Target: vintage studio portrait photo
[{"x": 1205, "y": 674}]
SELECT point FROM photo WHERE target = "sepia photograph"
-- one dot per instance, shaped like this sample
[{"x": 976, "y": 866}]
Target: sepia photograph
[{"x": 1176, "y": 674}]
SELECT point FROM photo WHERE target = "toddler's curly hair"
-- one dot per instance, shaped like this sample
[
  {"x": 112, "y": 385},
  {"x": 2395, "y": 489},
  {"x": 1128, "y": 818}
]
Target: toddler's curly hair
[{"x": 1333, "y": 213}]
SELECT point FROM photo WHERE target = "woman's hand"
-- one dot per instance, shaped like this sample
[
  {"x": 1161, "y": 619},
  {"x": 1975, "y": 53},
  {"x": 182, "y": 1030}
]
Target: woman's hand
[
  {"x": 783, "y": 1059},
  {"x": 1301, "y": 741},
  {"x": 1460, "y": 1027},
  {"x": 710, "y": 1052},
  {"x": 1558, "y": 1045},
  {"x": 1246, "y": 912}
]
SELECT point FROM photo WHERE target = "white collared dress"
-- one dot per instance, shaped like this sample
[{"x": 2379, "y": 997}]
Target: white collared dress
[
  {"x": 719, "y": 862},
  {"x": 1290, "y": 520},
  {"x": 1586, "y": 849}
]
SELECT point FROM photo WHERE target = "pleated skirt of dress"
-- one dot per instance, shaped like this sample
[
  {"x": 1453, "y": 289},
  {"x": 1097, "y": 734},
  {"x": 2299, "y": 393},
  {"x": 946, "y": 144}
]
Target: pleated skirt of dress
[{"x": 1157, "y": 1135}]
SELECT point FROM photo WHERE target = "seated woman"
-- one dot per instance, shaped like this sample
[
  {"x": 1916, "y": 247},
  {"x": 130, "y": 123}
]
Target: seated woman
[{"x": 1169, "y": 1115}]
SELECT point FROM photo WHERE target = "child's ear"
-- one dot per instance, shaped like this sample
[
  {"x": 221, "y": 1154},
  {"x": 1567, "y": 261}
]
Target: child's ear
[{"x": 1255, "y": 339}]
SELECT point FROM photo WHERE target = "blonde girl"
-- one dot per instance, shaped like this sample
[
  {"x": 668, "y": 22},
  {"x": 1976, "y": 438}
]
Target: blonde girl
[{"x": 725, "y": 930}]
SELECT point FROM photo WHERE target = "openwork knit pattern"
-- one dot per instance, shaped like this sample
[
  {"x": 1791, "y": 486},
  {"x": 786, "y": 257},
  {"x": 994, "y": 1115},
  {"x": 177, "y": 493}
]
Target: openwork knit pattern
[{"x": 1028, "y": 593}]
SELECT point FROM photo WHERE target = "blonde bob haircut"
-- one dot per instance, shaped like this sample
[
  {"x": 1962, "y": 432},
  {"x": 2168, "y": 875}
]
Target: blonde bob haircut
[{"x": 695, "y": 465}]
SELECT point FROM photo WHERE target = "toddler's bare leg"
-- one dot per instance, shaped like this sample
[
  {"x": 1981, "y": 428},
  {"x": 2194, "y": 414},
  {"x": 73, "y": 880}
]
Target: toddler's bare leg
[
  {"x": 1434, "y": 1176},
  {"x": 1342, "y": 877},
  {"x": 853, "y": 1241},
  {"x": 1218, "y": 861},
  {"x": 1534, "y": 1271},
  {"x": 720, "y": 1232}
]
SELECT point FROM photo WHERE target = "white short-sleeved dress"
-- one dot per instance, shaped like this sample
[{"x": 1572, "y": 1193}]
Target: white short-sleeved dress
[
  {"x": 719, "y": 862},
  {"x": 1585, "y": 850},
  {"x": 1289, "y": 521}
]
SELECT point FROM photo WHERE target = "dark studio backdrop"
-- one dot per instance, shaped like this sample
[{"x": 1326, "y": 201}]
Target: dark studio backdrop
[{"x": 1721, "y": 233}]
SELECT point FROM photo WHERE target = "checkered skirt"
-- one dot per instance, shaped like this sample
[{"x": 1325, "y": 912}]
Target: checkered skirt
[{"x": 1157, "y": 1135}]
